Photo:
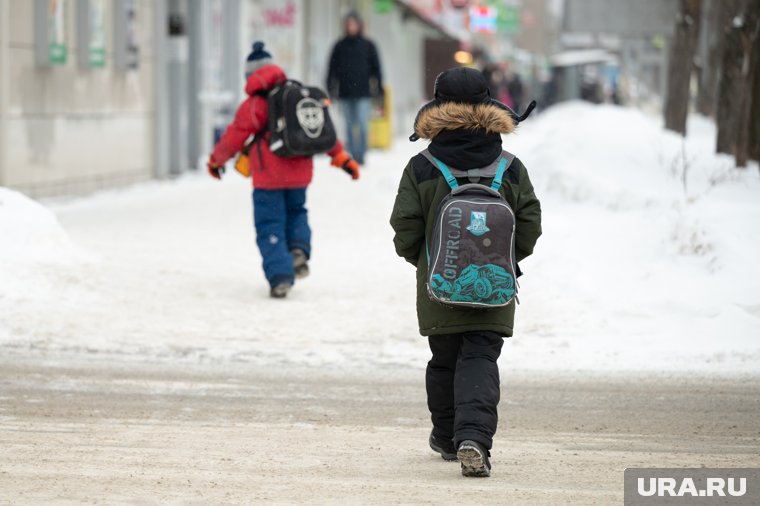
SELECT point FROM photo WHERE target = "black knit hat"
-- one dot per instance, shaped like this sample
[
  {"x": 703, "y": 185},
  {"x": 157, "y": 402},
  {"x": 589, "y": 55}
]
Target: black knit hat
[
  {"x": 465, "y": 85},
  {"x": 257, "y": 58}
]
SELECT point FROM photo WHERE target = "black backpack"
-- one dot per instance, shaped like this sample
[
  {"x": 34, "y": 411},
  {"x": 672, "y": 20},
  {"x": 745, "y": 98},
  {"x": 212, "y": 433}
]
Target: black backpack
[
  {"x": 472, "y": 256},
  {"x": 299, "y": 120}
]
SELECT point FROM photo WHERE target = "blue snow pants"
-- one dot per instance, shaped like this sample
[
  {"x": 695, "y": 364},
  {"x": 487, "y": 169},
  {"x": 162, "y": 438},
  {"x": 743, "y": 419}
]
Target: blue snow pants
[{"x": 282, "y": 225}]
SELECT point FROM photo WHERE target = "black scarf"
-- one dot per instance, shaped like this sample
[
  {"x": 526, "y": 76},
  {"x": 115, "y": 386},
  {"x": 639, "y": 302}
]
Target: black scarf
[{"x": 466, "y": 149}]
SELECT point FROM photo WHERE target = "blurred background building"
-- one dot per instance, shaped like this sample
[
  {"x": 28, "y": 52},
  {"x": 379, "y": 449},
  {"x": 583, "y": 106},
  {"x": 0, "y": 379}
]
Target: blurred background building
[
  {"x": 77, "y": 108},
  {"x": 614, "y": 39},
  {"x": 101, "y": 93}
]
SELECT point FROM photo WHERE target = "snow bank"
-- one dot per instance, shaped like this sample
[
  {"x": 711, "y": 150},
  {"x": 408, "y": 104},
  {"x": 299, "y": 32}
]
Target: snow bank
[
  {"x": 636, "y": 270},
  {"x": 647, "y": 259},
  {"x": 31, "y": 233},
  {"x": 36, "y": 257}
]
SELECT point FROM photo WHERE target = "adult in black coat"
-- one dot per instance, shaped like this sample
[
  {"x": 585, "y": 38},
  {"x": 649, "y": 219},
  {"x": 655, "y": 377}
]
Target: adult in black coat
[{"x": 354, "y": 76}]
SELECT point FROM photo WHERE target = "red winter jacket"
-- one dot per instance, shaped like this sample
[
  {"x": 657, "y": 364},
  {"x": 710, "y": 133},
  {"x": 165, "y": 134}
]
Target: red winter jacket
[{"x": 276, "y": 173}]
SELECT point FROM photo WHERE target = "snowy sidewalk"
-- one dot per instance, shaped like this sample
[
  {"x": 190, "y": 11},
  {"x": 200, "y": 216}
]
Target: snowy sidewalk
[{"x": 633, "y": 272}]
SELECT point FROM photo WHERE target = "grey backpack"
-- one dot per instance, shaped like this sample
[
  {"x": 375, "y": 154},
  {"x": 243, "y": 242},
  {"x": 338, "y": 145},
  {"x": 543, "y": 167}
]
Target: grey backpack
[{"x": 471, "y": 259}]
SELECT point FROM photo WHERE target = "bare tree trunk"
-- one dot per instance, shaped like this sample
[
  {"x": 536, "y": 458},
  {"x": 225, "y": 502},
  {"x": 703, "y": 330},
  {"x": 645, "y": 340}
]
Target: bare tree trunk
[
  {"x": 681, "y": 63},
  {"x": 749, "y": 38},
  {"x": 714, "y": 19},
  {"x": 754, "y": 128},
  {"x": 730, "y": 86},
  {"x": 753, "y": 149}
]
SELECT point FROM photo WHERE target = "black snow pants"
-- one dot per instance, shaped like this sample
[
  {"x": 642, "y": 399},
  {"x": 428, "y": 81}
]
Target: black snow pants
[{"x": 462, "y": 381}]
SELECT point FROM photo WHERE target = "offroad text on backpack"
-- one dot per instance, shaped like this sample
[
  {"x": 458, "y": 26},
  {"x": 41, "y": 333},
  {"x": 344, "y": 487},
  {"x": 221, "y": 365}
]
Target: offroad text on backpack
[
  {"x": 471, "y": 261},
  {"x": 299, "y": 120}
]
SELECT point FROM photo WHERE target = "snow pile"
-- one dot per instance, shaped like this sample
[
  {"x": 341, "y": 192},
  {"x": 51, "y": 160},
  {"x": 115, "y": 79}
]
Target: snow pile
[
  {"x": 31, "y": 232},
  {"x": 34, "y": 250},
  {"x": 636, "y": 270},
  {"x": 647, "y": 258},
  {"x": 32, "y": 240}
]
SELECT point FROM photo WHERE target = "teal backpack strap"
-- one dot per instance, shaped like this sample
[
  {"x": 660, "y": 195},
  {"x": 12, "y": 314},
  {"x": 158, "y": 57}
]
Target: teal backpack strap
[
  {"x": 499, "y": 174},
  {"x": 450, "y": 179}
]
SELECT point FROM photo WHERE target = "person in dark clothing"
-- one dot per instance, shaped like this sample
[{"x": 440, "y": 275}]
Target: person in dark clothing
[
  {"x": 492, "y": 75},
  {"x": 515, "y": 89},
  {"x": 354, "y": 76},
  {"x": 465, "y": 126}
]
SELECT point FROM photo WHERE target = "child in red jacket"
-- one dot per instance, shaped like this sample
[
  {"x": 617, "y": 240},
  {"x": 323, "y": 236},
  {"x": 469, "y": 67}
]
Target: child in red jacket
[{"x": 279, "y": 184}]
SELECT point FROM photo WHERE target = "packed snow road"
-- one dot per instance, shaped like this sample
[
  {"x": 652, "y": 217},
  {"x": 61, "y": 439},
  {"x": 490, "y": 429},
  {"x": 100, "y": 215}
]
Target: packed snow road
[
  {"x": 141, "y": 360},
  {"x": 156, "y": 434}
]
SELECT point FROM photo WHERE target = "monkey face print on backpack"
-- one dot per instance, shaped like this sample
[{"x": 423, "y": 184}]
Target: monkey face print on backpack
[
  {"x": 472, "y": 255},
  {"x": 299, "y": 121}
]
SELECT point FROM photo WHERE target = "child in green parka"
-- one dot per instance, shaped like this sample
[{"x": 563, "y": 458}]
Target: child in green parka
[{"x": 464, "y": 126}]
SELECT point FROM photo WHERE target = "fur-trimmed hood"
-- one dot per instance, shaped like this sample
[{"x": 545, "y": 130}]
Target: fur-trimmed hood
[{"x": 487, "y": 117}]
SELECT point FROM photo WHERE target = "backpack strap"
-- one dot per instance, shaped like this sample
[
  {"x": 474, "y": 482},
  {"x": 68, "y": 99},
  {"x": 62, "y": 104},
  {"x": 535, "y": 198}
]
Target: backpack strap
[
  {"x": 474, "y": 174},
  {"x": 258, "y": 138},
  {"x": 450, "y": 179},
  {"x": 499, "y": 174}
]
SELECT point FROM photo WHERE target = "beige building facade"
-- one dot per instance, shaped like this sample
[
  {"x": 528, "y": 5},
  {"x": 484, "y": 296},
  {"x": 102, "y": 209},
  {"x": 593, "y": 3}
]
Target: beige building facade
[
  {"x": 67, "y": 128},
  {"x": 104, "y": 93}
]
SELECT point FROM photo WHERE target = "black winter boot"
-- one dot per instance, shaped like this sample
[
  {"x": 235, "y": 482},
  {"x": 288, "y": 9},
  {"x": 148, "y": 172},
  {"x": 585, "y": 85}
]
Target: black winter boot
[
  {"x": 474, "y": 459},
  {"x": 443, "y": 446}
]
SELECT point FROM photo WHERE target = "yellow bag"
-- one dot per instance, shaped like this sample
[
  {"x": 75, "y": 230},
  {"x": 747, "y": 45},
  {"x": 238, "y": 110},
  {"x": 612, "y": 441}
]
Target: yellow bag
[
  {"x": 243, "y": 165},
  {"x": 380, "y": 131}
]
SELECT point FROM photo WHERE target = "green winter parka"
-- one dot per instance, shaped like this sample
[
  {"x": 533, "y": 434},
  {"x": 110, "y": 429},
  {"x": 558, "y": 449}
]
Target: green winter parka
[{"x": 420, "y": 192}]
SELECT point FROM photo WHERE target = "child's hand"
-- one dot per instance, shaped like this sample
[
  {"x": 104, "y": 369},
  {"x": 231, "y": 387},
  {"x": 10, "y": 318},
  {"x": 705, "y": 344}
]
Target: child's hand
[
  {"x": 343, "y": 161},
  {"x": 214, "y": 169},
  {"x": 351, "y": 167}
]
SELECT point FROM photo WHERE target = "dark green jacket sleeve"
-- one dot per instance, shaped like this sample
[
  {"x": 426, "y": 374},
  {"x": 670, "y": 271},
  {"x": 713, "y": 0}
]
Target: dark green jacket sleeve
[
  {"x": 408, "y": 219},
  {"x": 528, "y": 214}
]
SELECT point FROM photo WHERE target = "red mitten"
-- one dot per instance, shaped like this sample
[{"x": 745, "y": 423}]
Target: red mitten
[
  {"x": 351, "y": 167},
  {"x": 215, "y": 170},
  {"x": 344, "y": 161}
]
